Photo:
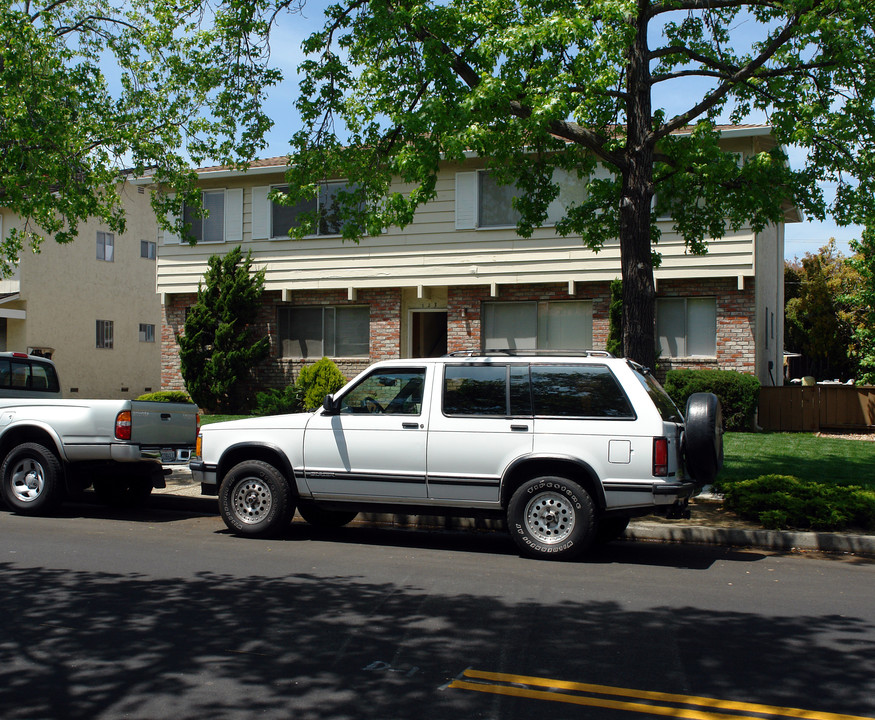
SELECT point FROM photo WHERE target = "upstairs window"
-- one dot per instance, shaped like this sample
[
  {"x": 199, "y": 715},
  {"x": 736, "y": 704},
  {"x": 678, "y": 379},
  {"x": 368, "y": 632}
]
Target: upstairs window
[
  {"x": 104, "y": 334},
  {"x": 223, "y": 224},
  {"x": 147, "y": 249},
  {"x": 147, "y": 333},
  {"x": 273, "y": 220},
  {"x": 105, "y": 246}
]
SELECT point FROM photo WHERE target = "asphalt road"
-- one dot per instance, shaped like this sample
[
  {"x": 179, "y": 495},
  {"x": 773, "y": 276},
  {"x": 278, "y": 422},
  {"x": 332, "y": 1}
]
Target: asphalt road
[{"x": 162, "y": 614}]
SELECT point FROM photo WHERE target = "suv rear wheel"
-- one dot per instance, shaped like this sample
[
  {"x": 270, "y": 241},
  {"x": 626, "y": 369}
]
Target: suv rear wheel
[{"x": 551, "y": 518}]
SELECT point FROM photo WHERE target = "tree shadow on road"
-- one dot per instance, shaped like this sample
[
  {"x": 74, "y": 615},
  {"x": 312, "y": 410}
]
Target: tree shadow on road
[{"x": 96, "y": 645}]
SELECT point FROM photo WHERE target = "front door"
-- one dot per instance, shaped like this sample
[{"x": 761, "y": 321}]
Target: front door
[
  {"x": 428, "y": 333},
  {"x": 374, "y": 446}
]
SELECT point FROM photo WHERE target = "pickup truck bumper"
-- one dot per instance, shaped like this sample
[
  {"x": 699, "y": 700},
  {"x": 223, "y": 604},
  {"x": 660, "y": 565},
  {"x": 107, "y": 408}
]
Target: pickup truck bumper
[{"x": 206, "y": 476}]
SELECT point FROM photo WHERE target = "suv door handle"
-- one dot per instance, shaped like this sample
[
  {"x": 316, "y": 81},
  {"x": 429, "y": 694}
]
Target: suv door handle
[
  {"x": 410, "y": 426},
  {"x": 520, "y": 428}
]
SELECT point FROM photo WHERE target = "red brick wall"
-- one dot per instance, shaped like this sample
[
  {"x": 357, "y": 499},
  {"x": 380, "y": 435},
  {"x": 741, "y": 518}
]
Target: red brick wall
[
  {"x": 735, "y": 324},
  {"x": 736, "y": 314}
]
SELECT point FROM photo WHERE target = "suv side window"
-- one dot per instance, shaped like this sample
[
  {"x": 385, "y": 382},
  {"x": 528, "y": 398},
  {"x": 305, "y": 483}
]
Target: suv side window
[
  {"x": 398, "y": 392},
  {"x": 487, "y": 390},
  {"x": 589, "y": 391}
]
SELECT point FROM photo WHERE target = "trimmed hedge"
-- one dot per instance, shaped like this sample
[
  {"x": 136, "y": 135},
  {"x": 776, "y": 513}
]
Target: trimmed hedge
[
  {"x": 783, "y": 501},
  {"x": 738, "y": 392},
  {"x": 317, "y": 380},
  {"x": 166, "y": 396}
]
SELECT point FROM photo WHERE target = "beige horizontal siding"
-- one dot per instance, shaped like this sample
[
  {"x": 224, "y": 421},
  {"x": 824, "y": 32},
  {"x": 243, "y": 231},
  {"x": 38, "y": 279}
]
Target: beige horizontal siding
[{"x": 431, "y": 252}]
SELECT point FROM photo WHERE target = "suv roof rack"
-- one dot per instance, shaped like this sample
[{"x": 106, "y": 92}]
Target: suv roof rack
[{"x": 540, "y": 353}]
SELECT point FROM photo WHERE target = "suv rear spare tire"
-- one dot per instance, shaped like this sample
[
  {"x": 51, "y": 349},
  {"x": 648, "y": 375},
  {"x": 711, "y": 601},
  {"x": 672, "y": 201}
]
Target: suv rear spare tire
[{"x": 703, "y": 437}]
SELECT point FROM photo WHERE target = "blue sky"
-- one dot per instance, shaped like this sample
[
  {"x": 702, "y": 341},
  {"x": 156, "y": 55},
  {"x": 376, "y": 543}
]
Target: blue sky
[{"x": 801, "y": 238}]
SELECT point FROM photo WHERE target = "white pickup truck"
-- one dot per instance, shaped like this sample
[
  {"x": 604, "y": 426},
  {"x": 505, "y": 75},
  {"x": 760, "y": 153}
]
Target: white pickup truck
[
  {"x": 52, "y": 447},
  {"x": 566, "y": 449}
]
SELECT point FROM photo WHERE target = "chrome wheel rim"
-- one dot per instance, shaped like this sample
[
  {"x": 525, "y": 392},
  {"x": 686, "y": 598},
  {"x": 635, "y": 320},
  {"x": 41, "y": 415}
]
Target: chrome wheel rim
[
  {"x": 550, "y": 517},
  {"x": 252, "y": 500},
  {"x": 28, "y": 480}
]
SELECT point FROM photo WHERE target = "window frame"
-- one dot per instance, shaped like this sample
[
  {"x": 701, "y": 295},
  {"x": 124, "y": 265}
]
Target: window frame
[
  {"x": 274, "y": 234},
  {"x": 541, "y": 328},
  {"x": 687, "y": 324},
  {"x": 151, "y": 248},
  {"x": 105, "y": 240},
  {"x": 147, "y": 332},
  {"x": 104, "y": 334},
  {"x": 327, "y": 311}
]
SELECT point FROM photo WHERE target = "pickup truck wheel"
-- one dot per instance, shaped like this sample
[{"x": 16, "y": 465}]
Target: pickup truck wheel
[
  {"x": 32, "y": 479},
  {"x": 320, "y": 517},
  {"x": 551, "y": 518},
  {"x": 255, "y": 499},
  {"x": 703, "y": 437}
]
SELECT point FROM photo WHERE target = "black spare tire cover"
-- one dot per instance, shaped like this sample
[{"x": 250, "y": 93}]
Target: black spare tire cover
[{"x": 703, "y": 437}]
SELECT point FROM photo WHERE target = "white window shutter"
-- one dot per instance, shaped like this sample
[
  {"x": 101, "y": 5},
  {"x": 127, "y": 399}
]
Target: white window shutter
[
  {"x": 171, "y": 238},
  {"x": 234, "y": 215},
  {"x": 260, "y": 213},
  {"x": 466, "y": 200}
]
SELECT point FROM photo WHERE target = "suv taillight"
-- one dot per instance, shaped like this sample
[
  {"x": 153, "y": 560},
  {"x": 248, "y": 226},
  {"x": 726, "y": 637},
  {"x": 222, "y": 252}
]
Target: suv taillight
[
  {"x": 660, "y": 457},
  {"x": 123, "y": 425}
]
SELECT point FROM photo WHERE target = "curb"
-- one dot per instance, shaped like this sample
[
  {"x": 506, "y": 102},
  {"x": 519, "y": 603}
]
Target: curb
[{"x": 180, "y": 494}]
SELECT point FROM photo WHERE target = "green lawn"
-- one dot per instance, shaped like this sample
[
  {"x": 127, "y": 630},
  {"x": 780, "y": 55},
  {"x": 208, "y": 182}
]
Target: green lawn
[
  {"x": 803, "y": 455},
  {"x": 209, "y": 419}
]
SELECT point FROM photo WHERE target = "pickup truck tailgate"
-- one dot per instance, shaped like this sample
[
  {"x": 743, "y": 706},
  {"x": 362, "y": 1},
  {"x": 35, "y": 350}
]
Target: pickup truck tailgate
[{"x": 161, "y": 424}]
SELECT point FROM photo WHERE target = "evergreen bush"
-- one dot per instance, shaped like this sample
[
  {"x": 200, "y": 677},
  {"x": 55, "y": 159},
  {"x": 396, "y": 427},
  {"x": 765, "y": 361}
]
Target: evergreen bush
[
  {"x": 738, "y": 392},
  {"x": 317, "y": 380},
  {"x": 279, "y": 401}
]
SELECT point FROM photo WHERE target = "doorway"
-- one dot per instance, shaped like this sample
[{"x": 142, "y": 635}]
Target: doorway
[{"x": 428, "y": 333}]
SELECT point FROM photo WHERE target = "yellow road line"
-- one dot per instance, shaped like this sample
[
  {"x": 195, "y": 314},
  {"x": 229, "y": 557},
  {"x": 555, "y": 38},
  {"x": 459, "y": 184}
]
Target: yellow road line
[{"x": 691, "y": 714}]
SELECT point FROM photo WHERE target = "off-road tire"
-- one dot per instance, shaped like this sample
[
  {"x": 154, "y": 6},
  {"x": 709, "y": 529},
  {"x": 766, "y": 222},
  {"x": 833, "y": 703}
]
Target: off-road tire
[
  {"x": 551, "y": 518},
  {"x": 255, "y": 499}
]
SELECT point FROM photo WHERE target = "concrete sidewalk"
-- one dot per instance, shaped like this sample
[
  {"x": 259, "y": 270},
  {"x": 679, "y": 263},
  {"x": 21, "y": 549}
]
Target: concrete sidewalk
[{"x": 709, "y": 525}]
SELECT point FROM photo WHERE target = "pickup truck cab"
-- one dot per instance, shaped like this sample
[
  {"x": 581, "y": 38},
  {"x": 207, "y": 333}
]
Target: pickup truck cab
[
  {"x": 51, "y": 447},
  {"x": 566, "y": 449}
]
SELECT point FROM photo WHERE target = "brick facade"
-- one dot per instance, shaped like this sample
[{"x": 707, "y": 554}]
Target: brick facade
[{"x": 735, "y": 324}]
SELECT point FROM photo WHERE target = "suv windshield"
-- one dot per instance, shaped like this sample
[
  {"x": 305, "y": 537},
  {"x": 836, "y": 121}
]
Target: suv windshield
[{"x": 667, "y": 409}]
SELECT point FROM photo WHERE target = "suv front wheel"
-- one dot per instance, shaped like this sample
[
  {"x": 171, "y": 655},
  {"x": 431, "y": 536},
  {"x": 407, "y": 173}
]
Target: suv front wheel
[{"x": 551, "y": 518}]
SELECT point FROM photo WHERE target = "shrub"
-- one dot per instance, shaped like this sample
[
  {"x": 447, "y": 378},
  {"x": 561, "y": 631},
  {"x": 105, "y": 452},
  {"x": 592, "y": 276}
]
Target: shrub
[
  {"x": 739, "y": 393},
  {"x": 166, "y": 396},
  {"x": 317, "y": 380},
  {"x": 279, "y": 401},
  {"x": 781, "y": 501}
]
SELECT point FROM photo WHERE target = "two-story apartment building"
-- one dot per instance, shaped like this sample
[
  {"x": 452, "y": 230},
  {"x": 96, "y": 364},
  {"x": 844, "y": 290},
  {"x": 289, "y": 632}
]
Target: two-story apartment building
[
  {"x": 461, "y": 278},
  {"x": 90, "y": 305}
]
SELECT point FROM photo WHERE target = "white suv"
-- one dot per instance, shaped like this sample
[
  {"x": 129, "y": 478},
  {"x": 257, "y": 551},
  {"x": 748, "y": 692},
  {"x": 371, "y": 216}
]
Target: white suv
[{"x": 567, "y": 449}]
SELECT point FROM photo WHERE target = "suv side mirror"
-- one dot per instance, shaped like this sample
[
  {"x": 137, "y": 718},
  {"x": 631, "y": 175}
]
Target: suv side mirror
[{"x": 330, "y": 405}]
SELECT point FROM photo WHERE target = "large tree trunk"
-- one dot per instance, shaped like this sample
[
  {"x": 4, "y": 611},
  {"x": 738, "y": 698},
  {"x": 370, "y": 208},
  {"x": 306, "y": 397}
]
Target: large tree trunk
[{"x": 639, "y": 306}]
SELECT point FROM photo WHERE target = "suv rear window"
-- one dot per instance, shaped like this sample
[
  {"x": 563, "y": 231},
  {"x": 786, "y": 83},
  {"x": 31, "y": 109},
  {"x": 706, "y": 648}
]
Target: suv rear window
[
  {"x": 667, "y": 409},
  {"x": 589, "y": 391}
]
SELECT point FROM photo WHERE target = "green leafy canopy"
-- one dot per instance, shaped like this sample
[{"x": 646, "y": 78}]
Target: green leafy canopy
[
  {"x": 393, "y": 88},
  {"x": 190, "y": 83}
]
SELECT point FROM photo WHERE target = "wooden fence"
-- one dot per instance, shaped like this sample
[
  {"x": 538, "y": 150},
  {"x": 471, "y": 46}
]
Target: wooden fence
[{"x": 821, "y": 407}]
